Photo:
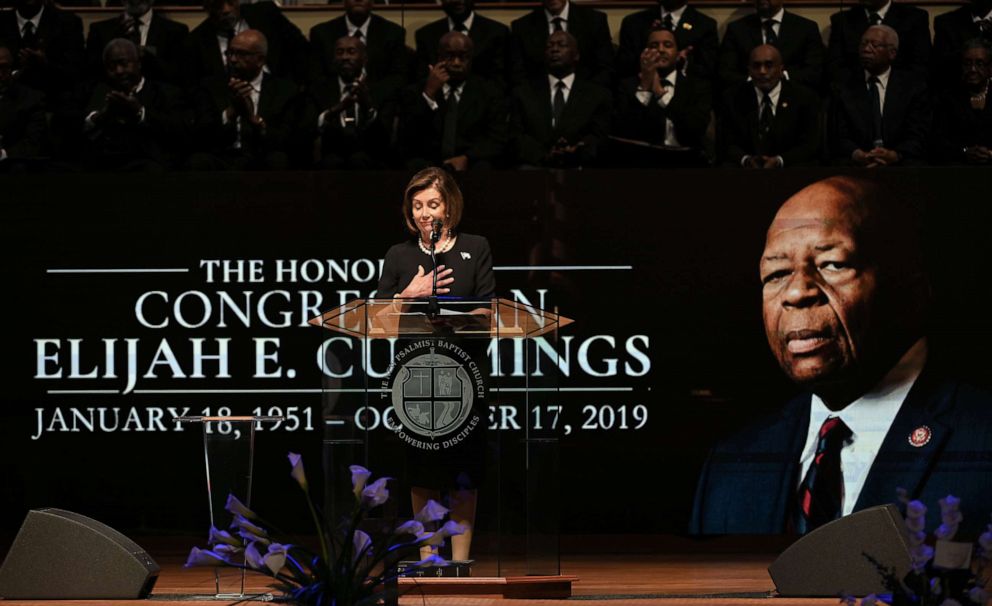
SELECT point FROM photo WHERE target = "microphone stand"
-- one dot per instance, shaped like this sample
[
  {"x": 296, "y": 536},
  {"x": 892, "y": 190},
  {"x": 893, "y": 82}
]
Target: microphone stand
[{"x": 433, "y": 309}]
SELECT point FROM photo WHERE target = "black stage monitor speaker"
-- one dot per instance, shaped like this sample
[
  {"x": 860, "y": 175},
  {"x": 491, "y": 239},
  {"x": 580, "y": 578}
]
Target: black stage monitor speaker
[
  {"x": 832, "y": 560},
  {"x": 62, "y": 555}
]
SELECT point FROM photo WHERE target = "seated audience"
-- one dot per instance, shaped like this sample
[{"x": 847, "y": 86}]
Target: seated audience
[
  {"x": 354, "y": 112},
  {"x": 453, "y": 118},
  {"x": 694, "y": 32},
  {"x": 131, "y": 123},
  {"x": 664, "y": 107},
  {"x": 796, "y": 38},
  {"x": 962, "y": 132},
  {"x": 384, "y": 42},
  {"x": 22, "y": 119},
  {"x": 880, "y": 116},
  {"x": 489, "y": 39},
  {"x": 951, "y": 31},
  {"x": 910, "y": 23},
  {"x": 47, "y": 45},
  {"x": 769, "y": 122},
  {"x": 159, "y": 39},
  {"x": 560, "y": 119},
  {"x": 530, "y": 33},
  {"x": 204, "y": 52},
  {"x": 246, "y": 121}
]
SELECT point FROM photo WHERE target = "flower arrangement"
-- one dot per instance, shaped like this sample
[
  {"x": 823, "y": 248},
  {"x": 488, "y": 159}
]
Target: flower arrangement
[
  {"x": 351, "y": 569},
  {"x": 937, "y": 581}
]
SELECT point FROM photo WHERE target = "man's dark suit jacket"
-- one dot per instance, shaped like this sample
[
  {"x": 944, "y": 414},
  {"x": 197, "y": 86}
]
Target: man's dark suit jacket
[
  {"x": 61, "y": 36},
  {"x": 950, "y": 32},
  {"x": 795, "y": 130},
  {"x": 689, "y": 111},
  {"x": 846, "y": 28},
  {"x": 288, "y": 49},
  {"x": 161, "y": 57},
  {"x": 905, "y": 117},
  {"x": 278, "y": 105},
  {"x": 585, "y": 120},
  {"x": 750, "y": 481},
  {"x": 694, "y": 29},
  {"x": 482, "y": 117},
  {"x": 388, "y": 63},
  {"x": 529, "y": 36},
  {"x": 799, "y": 42},
  {"x": 489, "y": 56},
  {"x": 371, "y": 137},
  {"x": 160, "y": 138},
  {"x": 22, "y": 122},
  {"x": 956, "y": 125}
]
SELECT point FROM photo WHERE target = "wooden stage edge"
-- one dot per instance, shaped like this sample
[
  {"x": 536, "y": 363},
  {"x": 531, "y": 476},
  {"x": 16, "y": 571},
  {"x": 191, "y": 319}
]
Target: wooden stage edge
[{"x": 681, "y": 572}]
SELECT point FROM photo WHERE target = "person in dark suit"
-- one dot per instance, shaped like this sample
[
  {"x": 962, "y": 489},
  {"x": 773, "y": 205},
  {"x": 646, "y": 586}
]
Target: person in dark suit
[
  {"x": 695, "y": 33},
  {"x": 354, "y": 113},
  {"x": 159, "y": 38},
  {"x": 47, "y": 44},
  {"x": 769, "y": 122},
  {"x": 560, "y": 119},
  {"x": 530, "y": 33},
  {"x": 962, "y": 132},
  {"x": 845, "y": 300},
  {"x": 951, "y": 31},
  {"x": 663, "y": 106},
  {"x": 384, "y": 42},
  {"x": 22, "y": 119},
  {"x": 203, "y": 55},
  {"x": 881, "y": 116},
  {"x": 489, "y": 39},
  {"x": 453, "y": 118},
  {"x": 912, "y": 24},
  {"x": 796, "y": 38},
  {"x": 132, "y": 123},
  {"x": 247, "y": 121}
]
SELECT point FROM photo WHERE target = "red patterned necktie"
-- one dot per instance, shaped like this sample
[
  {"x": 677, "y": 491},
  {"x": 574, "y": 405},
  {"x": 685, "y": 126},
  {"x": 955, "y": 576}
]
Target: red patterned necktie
[{"x": 821, "y": 493}]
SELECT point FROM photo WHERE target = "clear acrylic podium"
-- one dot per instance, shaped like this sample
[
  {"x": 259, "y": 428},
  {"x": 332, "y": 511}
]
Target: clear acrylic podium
[{"x": 400, "y": 377}]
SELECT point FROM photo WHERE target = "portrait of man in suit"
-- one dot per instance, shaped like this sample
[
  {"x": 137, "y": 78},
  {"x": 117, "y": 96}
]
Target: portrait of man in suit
[
  {"x": 845, "y": 303},
  {"x": 159, "y": 39},
  {"x": 695, "y": 33},
  {"x": 769, "y": 122},
  {"x": 796, "y": 38},
  {"x": 490, "y": 40},
  {"x": 880, "y": 116},
  {"x": 384, "y": 42}
]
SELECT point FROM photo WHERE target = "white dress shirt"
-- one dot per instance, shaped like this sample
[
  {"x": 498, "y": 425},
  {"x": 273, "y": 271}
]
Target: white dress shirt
[
  {"x": 883, "y": 85},
  {"x": 89, "y": 124},
  {"x": 563, "y": 16},
  {"x": 568, "y": 80},
  {"x": 869, "y": 419},
  {"x": 446, "y": 91},
  {"x": 36, "y": 20},
  {"x": 352, "y": 28},
  {"x": 467, "y": 23},
  {"x": 645, "y": 97},
  {"x": 881, "y": 12},
  {"x": 776, "y": 20}
]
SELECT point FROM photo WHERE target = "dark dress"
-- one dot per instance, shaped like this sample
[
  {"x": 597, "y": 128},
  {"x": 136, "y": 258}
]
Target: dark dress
[{"x": 461, "y": 466}]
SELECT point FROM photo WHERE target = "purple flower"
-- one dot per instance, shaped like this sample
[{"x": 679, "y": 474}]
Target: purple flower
[
  {"x": 249, "y": 531},
  {"x": 985, "y": 541},
  {"x": 950, "y": 602},
  {"x": 362, "y": 544},
  {"x": 273, "y": 560},
  {"x": 915, "y": 524},
  {"x": 203, "y": 557},
  {"x": 949, "y": 503},
  {"x": 238, "y": 508},
  {"x": 869, "y": 600},
  {"x": 219, "y": 537},
  {"x": 431, "y": 512},
  {"x": 298, "y": 474},
  {"x": 450, "y": 528},
  {"x": 920, "y": 554},
  {"x": 979, "y": 595},
  {"x": 412, "y": 527},
  {"x": 946, "y": 532},
  {"x": 915, "y": 509},
  {"x": 376, "y": 493},
  {"x": 228, "y": 552},
  {"x": 431, "y": 560},
  {"x": 359, "y": 475}
]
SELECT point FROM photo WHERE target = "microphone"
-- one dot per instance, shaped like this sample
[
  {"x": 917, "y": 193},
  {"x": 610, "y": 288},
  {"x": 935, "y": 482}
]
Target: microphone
[{"x": 436, "y": 231}]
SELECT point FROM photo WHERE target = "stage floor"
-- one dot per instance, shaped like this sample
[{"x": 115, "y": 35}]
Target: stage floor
[{"x": 611, "y": 579}]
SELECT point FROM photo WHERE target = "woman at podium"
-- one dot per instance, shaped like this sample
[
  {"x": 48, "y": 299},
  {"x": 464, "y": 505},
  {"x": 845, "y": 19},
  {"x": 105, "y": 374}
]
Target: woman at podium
[
  {"x": 432, "y": 210},
  {"x": 464, "y": 262}
]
